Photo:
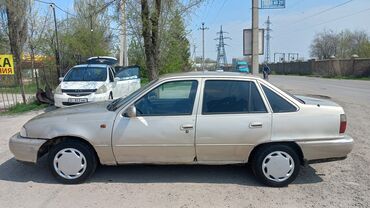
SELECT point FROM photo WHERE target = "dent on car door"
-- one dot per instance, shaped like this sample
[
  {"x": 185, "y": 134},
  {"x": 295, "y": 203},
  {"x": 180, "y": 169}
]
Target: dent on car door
[
  {"x": 163, "y": 130},
  {"x": 232, "y": 119}
]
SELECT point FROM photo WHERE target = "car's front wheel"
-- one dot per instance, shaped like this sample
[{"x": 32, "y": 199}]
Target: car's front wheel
[
  {"x": 72, "y": 161},
  {"x": 276, "y": 165}
]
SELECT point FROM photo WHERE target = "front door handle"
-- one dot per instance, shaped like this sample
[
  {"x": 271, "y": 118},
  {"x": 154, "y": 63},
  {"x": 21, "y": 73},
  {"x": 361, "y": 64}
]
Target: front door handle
[
  {"x": 255, "y": 125},
  {"x": 186, "y": 127}
]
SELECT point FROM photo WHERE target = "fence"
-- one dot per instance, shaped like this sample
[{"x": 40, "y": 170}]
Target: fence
[
  {"x": 355, "y": 67},
  {"x": 41, "y": 74}
]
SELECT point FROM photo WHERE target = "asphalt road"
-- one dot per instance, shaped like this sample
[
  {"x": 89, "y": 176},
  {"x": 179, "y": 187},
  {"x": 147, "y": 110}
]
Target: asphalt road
[{"x": 336, "y": 184}]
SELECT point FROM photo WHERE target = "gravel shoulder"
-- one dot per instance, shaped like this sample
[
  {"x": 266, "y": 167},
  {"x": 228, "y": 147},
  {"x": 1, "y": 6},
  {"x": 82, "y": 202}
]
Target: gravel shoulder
[{"x": 336, "y": 184}]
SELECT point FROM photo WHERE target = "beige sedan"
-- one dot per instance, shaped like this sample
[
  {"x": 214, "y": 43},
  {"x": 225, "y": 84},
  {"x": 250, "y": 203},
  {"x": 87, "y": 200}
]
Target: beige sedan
[{"x": 190, "y": 118}]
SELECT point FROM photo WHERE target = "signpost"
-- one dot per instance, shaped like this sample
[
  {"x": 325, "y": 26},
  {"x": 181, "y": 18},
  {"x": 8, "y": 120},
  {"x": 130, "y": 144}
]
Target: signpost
[
  {"x": 6, "y": 64},
  {"x": 265, "y": 4},
  {"x": 272, "y": 4},
  {"x": 247, "y": 42}
]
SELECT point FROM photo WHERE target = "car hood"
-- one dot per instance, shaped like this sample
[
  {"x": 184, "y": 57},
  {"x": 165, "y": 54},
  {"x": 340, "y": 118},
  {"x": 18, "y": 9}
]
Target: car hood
[
  {"x": 66, "y": 120},
  {"x": 81, "y": 85},
  {"x": 317, "y": 101},
  {"x": 75, "y": 110}
]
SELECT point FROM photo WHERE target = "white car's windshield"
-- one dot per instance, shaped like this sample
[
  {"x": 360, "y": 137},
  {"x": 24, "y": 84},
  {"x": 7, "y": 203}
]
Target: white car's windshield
[{"x": 86, "y": 74}]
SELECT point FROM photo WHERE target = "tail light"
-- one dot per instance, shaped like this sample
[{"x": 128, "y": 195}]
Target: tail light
[{"x": 343, "y": 123}]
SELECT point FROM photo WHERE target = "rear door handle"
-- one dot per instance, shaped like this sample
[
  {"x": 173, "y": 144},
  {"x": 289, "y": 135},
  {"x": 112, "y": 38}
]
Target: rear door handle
[
  {"x": 255, "y": 125},
  {"x": 186, "y": 127}
]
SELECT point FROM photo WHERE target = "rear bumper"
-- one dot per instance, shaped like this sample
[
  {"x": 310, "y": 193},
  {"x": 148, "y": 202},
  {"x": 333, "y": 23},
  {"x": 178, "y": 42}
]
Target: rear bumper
[
  {"x": 25, "y": 149},
  {"x": 326, "y": 150}
]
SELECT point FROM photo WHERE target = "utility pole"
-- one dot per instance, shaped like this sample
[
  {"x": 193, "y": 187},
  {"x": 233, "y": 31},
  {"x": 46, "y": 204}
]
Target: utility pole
[
  {"x": 221, "y": 53},
  {"x": 268, "y": 37},
  {"x": 203, "y": 29},
  {"x": 195, "y": 57},
  {"x": 57, "y": 53},
  {"x": 123, "y": 56},
  {"x": 255, "y": 31}
]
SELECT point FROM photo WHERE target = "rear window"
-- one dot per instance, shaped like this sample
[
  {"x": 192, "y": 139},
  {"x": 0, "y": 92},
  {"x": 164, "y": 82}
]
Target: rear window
[
  {"x": 86, "y": 74},
  {"x": 278, "y": 104}
]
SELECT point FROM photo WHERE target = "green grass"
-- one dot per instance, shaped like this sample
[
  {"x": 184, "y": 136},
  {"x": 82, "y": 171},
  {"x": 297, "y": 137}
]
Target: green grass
[
  {"x": 28, "y": 88},
  {"x": 21, "y": 108}
]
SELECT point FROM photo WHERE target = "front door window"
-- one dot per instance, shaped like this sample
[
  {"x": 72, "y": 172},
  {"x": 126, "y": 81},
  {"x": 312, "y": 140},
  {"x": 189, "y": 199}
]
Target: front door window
[{"x": 168, "y": 99}]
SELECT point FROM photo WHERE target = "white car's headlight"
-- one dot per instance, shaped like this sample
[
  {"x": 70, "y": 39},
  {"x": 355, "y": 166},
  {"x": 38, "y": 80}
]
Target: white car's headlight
[
  {"x": 23, "y": 132},
  {"x": 58, "y": 90},
  {"x": 101, "y": 90}
]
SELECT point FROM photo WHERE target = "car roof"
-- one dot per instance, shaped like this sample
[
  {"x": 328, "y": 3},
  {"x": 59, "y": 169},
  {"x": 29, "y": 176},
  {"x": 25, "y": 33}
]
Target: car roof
[
  {"x": 91, "y": 65},
  {"x": 206, "y": 74},
  {"x": 102, "y": 57}
]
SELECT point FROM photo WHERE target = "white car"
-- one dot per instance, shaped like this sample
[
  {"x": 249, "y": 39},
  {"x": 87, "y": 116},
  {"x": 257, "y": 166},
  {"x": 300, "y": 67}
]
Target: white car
[{"x": 94, "y": 82}]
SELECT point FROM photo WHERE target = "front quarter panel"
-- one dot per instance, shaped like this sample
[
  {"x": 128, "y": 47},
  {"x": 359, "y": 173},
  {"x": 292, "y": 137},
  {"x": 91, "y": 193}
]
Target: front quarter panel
[{"x": 89, "y": 127}]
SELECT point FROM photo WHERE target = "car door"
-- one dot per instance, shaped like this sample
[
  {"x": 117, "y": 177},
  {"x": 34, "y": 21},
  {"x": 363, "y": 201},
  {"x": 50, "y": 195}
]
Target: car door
[
  {"x": 232, "y": 118},
  {"x": 163, "y": 130},
  {"x": 112, "y": 83}
]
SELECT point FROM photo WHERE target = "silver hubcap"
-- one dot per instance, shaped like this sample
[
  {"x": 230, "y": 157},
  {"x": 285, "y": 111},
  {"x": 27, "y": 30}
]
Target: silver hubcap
[
  {"x": 278, "y": 166},
  {"x": 69, "y": 163}
]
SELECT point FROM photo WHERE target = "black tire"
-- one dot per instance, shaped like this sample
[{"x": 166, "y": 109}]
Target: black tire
[
  {"x": 88, "y": 153},
  {"x": 261, "y": 154}
]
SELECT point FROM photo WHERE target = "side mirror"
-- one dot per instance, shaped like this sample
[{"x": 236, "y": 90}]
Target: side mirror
[
  {"x": 116, "y": 79},
  {"x": 61, "y": 79},
  {"x": 130, "y": 112}
]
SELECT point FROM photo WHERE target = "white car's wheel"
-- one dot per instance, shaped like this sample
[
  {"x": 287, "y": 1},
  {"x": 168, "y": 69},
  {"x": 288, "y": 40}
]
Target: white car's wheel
[
  {"x": 276, "y": 165},
  {"x": 72, "y": 161}
]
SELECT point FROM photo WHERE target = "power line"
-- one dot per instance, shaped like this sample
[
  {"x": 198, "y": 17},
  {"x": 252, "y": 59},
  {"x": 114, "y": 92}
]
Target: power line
[
  {"x": 56, "y": 6},
  {"x": 322, "y": 11},
  {"x": 335, "y": 19},
  {"x": 342, "y": 17}
]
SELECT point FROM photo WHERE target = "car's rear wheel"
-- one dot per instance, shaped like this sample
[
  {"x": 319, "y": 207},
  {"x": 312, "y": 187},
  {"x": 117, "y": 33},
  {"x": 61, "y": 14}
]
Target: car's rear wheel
[
  {"x": 276, "y": 165},
  {"x": 72, "y": 162}
]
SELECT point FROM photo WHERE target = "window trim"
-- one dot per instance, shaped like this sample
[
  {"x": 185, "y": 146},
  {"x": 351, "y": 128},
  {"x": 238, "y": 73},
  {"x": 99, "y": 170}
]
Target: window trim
[
  {"x": 201, "y": 100},
  {"x": 280, "y": 95},
  {"x": 164, "y": 82}
]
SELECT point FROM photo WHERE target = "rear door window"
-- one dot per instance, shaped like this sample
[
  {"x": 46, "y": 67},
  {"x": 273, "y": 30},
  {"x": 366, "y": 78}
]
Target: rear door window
[{"x": 231, "y": 97}]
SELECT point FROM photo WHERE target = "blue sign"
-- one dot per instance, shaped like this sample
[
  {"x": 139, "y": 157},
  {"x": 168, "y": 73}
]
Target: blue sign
[{"x": 272, "y": 4}]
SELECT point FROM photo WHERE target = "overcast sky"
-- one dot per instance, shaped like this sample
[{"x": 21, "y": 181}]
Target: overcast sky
[{"x": 293, "y": 27}]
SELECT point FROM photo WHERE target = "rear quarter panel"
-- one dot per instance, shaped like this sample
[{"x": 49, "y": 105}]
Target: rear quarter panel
[{"x": 310, "y": 122}]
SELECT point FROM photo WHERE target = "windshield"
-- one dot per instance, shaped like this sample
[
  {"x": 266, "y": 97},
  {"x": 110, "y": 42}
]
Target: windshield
[
  {"x": 117, "y": 103},
  {"x": 86, "y": 74}
]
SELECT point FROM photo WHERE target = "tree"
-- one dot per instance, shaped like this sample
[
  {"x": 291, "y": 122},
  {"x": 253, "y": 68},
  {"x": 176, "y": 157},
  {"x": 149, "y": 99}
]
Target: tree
[
  {"x": 343, "y": 45},
  {"x": 150, "y": 32},
  {"x": 324, "y": 45},
  {"x": 177, "y": 52},
  {"x": 16, "y": 13}
]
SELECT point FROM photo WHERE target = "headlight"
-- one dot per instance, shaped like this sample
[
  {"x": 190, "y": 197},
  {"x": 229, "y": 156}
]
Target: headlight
[
  {"x": 23, "y": 132},
  {"x": 102, "y": 89},
  {"x": 58, "y": 90}
]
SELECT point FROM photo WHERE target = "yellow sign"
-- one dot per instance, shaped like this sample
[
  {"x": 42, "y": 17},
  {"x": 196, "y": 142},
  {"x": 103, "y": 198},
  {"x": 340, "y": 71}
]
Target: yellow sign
[{"x": 6, "y": 64}]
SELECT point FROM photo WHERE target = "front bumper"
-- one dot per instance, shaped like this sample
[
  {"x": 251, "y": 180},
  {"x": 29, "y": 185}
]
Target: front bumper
[
  {"x": 326, "y": 150},
  {"x": 61, "y": 100},
  {"x": 25, "y": 149}
]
